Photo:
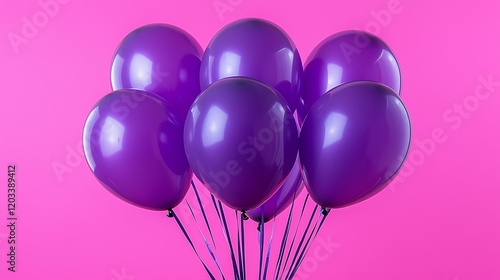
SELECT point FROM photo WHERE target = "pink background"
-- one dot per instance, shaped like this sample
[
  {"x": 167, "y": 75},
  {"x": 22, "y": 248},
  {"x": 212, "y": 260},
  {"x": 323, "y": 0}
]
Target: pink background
[{"x": 439, "y": 220}]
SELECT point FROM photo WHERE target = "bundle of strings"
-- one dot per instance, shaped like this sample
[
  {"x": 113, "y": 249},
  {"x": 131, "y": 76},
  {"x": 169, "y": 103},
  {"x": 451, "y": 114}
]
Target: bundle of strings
[{"x": 296, "y": 239}]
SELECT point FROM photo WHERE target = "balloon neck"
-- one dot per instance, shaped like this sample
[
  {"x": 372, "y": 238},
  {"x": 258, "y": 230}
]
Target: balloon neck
[
  {"x": 244, "y": 216},
  {"x": 325, "y": 211},
  {"x": 170, "y": 213}
]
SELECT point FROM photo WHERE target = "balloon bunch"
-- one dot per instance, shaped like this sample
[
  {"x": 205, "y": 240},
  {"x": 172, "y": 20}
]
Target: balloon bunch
[{"x": 227, "y": 115}]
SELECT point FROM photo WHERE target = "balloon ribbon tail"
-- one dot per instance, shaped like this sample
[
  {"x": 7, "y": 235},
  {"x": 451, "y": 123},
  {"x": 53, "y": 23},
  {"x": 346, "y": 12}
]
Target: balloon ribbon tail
[
  {"x": 307, "y": 246},
  {"x": 203, "y": 212},
  {"x": 261, "y": 246},
  {"x": 243, "y": 244},
  {"x": 240, "y": 255},
  {"x": 301, "y": 241},
  {"x": 186, "y": 235},
  {"x": 293, "y": 239},
  {"x": 228, "y": 238},
  {"x": 269, "y": 249},
  {"x": 205, "y": 240}
]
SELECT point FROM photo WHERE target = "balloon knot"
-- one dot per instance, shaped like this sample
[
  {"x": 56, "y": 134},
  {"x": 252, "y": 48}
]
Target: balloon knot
[
  {"x": 244, "y": 216},
  {"x": 325, "y": 211},
  {"x": 170, "y": 213}
]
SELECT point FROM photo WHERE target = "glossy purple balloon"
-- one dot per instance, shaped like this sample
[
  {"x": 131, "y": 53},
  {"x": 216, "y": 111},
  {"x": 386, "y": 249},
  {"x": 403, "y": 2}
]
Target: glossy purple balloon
[
  {"x": 346, "y": 57},
  {"x": 353, "y": 142},
  {"x": 257, "y": 49},
  {"x": 285, "y": 195},
  {"x": 133, "y": 145},
  {"x": 241, "y": 141},
  {"x": 161, "y": 59}
]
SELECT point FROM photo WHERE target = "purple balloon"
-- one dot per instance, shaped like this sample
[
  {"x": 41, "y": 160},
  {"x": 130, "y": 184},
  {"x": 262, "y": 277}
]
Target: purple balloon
[
  {"x": 133, "y": 145},
  {"x": 161, "y": 59},
  {"x": 347, "y": 57},
  {"x": 257, "y": 49},
  {"x": 353, "y": 142},
  {"x": 285, "y": 195},
  {"x": 241, "y": 141}
]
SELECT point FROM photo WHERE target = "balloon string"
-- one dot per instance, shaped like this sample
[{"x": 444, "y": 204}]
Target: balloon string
[
  {"x": 216, "y": 209},
  {"x": 301, "y": 241},
  {"x": 198, "y": 197},
  {"x": 294, "y": 237},
  {"x": 261, "y": 244},
  {"x": 300, "y": 252},
  {"x": 269, "y": 249},
  {"x": 240, "y": 256},
  {"x": 284, "y": 240},
  {"x": 172, "y": 213},
  {"x": 325, "y": 213},
  {"x": 286, "y": 233},
  {"x": 228, "y": 239},
  {"x": 205, "y": 240},
  {"x": 203, "y": 212},
  {"x": 242, "y": 223},
  {"x": 224, "y": 233}
]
